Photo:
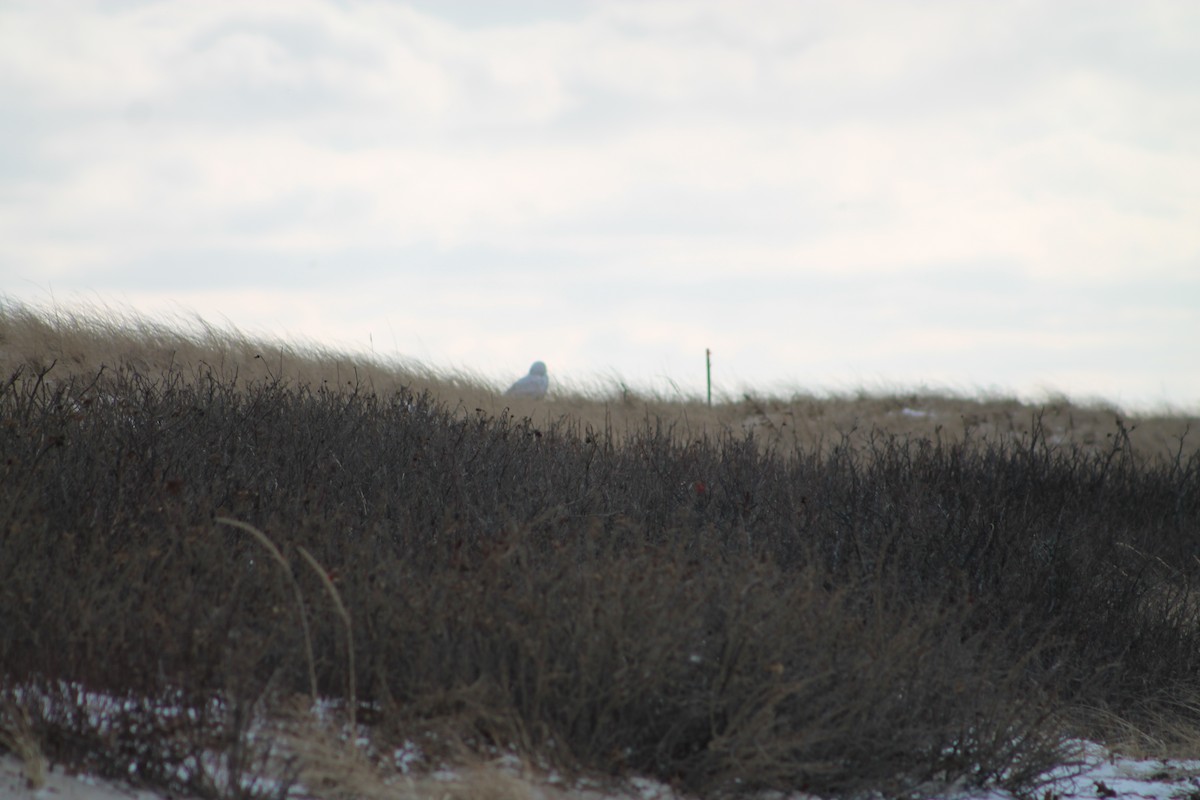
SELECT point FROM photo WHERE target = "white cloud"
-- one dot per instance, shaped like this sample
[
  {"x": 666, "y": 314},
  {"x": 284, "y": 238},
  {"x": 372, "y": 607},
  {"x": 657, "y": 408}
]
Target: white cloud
[{"x": 677, "y": 143}]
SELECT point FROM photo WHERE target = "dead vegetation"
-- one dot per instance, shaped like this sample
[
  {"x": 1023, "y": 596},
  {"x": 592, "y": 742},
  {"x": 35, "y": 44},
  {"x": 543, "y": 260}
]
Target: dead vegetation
[
  {"x": 868, "y": 608},
  {"x": 82, "y": 341}
]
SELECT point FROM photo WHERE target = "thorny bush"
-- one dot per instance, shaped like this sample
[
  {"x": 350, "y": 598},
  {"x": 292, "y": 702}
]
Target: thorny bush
[{"x": 707, "y": 611}]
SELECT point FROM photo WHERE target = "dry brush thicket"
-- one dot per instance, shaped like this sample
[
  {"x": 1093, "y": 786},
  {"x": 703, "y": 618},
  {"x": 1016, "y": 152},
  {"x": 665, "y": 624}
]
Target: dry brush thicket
[
  {"x": 871, "y": 611},
  {"x": 82, "y": 341}
]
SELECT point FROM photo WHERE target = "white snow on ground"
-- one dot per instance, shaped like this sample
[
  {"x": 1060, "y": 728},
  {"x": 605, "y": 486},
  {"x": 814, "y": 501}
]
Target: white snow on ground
[
  {"x": 1098, "y": 774},
  {"x": 61, "y": 786},
  {"x": 1105, "y": 776}
]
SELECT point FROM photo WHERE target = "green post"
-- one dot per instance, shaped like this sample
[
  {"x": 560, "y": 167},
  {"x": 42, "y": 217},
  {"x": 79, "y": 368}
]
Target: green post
[{"x": 708, "y": 370}]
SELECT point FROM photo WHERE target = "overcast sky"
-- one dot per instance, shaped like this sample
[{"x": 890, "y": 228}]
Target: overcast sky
[{"x": 829, "y": 195}]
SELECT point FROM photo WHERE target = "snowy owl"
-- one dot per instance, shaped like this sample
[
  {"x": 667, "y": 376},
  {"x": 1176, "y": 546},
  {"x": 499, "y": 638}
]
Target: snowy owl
[{"x": 533, "y": 385}]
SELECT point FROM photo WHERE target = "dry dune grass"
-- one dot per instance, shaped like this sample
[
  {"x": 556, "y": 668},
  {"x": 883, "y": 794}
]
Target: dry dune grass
[
  {"x": 1154, "y": 733},
  {"x": 703, "y": 613},
  {"x": 18, "y": 737},
  {"x": 811, "y": 420},
  {"x": 82, "y": 340},
  {"x": 330, "y": 766}
]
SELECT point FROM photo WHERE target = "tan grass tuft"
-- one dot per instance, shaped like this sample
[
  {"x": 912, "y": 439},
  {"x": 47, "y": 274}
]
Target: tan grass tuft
[
  {"x": 270, "y": 547},
  {"x": 17, "y": 736},
  {"x": 1165, "y": 730},
  {"x": 331, "y": 767},
  {"x": 335, "y": 595}
]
